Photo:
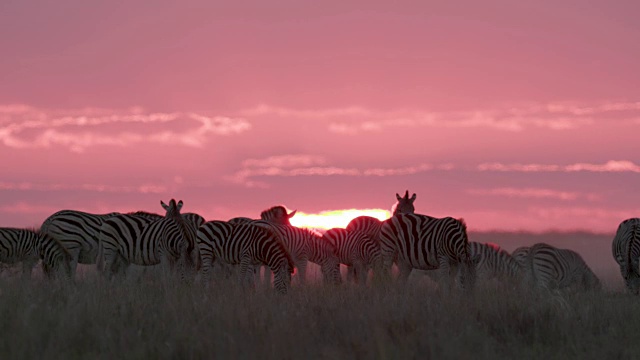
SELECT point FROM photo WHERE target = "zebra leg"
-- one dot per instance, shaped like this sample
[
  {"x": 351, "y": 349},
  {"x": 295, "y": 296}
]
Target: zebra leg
[
  {"x": 404, "y": 270},
  {"x": 27, "y": 266},
  {"x": 267, "y": 276},
  {"x": 360, "y": 273},
  {"x": 351, "y": 273},
  {"x": 246, "y": 273},
  {"x": 302, "y": 271}
]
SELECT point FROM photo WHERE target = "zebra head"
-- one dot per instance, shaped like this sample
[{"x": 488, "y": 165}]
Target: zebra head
[
  {"x": 404, "y": 204},
  {"x": 173, "y": 209},
  {"x": 278, "y": 215}
]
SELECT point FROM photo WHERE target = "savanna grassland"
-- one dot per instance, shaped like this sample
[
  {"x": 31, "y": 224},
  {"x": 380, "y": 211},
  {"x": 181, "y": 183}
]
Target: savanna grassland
[{"x": 147, "y": 316}]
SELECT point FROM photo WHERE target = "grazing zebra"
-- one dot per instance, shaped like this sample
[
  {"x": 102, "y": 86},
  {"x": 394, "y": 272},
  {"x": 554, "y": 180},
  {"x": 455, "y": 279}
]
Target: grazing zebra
[
  {"x": 141, "y": 240},
  {"x": 78, "y": 232},
  {"x": 20, "y": 245},
  {"x": 491, "y": 262},
  {"x": 356, "y": 250},
  {"x": 626, "y": 252},
  {"x": 365, "y": 224},
  {"x": 247, "y": 245},
  {"x": 28, "y": 246},
  {"x": 554, "y": 269},
  {"x": 306, "y": 245},
  {"x": 404, "y": 204},
  {"x": 427, "y": 243}
]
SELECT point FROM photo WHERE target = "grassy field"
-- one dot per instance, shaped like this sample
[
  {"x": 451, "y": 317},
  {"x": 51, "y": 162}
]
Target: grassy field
[{"x": 147, "y": 316}]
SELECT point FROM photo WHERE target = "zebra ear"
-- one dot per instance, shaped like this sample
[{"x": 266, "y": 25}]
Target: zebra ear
[
  {"x": 413, "y": 198},
  {"x": 398, "y": 197},
  {"x": 179, "y": 206},
  {"x": 164, "y": 206},
  {"x": 291, "y": 214},
  {"x": 406, "y": 194}
]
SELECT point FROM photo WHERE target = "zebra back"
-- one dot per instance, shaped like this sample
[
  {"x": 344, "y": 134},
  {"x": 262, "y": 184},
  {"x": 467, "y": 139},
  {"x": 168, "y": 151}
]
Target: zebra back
[
  {"x": 18, "y": 245},
  {"x": 240, "y": 220},
  {"x": 626, "y": 252},
  {"x": 366, "y": 224}
]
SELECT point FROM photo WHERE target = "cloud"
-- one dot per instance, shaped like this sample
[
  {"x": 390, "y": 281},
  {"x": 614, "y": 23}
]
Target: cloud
[
  {"x": 313, "y": 165},
  {"x": 614, "y": 166},
  {"x": 25, "y": 127},
  {"x": 28, "y": 186},
  {"x": 532, "y": 193},
  {"x": 560, "y": 116}
]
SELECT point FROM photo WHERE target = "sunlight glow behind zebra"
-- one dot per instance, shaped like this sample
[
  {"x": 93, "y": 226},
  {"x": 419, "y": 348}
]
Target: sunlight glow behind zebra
[{"x": 335, "y": 218}]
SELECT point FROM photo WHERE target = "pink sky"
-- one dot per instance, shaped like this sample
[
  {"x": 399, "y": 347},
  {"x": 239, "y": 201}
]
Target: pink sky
[{"x": 514, "y": 116}]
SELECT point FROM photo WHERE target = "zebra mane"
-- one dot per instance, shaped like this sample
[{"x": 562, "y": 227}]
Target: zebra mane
[
  {"x": 142, "y": 212},
  {"x": 463, "y": 224}
]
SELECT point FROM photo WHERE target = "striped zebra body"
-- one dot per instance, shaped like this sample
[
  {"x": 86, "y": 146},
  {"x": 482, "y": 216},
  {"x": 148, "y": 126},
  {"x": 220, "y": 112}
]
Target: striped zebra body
[
  {"x": 240, "y": 220},
  {"x": 521, "y": 255},
  {"x": 491, "y": 262},
  {"x": 365, "y": 224},
  {"x": 78, "y": 232},
  {"x": 427, "y": 243},
  {"x": 56, "y": 260},
  {"x": 626, "y": 252},
  {"x": 306, "y": 245},
  {"x": 356, "y": 250},
  {"x": 144, "y": 240},
  {"x": 246, "y": 245},
  {"x": 20, "y": 245},
  {"x": 554, "y": 269}
]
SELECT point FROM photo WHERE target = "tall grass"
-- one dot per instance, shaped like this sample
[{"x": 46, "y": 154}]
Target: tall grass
[{"x": 152, "y": 317}]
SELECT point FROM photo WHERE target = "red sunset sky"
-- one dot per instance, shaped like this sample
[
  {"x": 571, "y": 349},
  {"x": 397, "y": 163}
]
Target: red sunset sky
[{"x": 512, "y": 115}]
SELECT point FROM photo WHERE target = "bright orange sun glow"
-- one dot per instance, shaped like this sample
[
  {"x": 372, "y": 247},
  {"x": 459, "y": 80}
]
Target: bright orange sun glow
[{"x": 335, "y": 218}]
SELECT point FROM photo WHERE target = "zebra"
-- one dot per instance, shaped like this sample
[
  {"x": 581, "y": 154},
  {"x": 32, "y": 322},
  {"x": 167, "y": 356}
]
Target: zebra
[
  {"x": 356, "y": 250},
  {"x": 626, "y": 252},
  {"x": 404, "y": 204},
  {"x": 29, "y": 246},
  {"x": 306, "y": 245},
  {"x": 78, "y": 232},
  {"x": 247, "y": 245},
  {"x": 555, "y": 269},
  {"x": 20, "y": 245},
  {"x": 491, "y": 261},
  {"x": 427, "y": 243},
  {"x": 520, "y": 255},
  {"x": 142, "y": 240}
]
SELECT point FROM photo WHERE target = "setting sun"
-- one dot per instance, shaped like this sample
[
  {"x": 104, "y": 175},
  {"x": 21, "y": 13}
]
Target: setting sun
[{"x": 335, "y": 218}]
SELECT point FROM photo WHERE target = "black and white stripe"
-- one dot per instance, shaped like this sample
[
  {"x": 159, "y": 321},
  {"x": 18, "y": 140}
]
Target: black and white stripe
[
  {"x": 555, "y": 269},
  {"x": 144, "y": 240},
  {"x": 277, "y": 215},
  {"x": 492, "y": 262},
  {"x": 246, "y": 245},
  {"x": 20, "y": 245},
  {"x": 626, "y": 252},
  {"x": 78, "y": 232},
  {"x": 356, "y": 250},
  {"x": 427, "y": 243},
  {"x": 306, "y": 245}
]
